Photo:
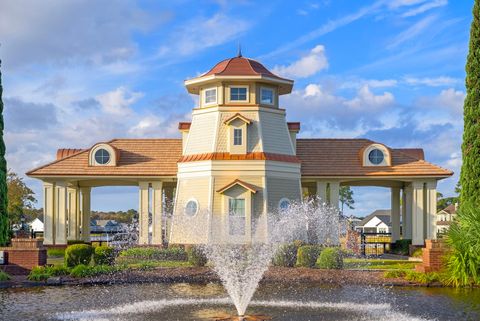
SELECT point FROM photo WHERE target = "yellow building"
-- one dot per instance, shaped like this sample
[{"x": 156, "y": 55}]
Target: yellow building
[{"x": 238, "y": 160}]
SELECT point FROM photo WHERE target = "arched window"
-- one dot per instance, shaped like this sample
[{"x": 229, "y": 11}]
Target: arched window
[
  {"x": 102, "y": 156},
  {"x": 376, "y": 155}
]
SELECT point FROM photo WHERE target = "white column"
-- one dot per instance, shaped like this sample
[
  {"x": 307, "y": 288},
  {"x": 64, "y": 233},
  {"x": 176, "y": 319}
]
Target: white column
[
  {"x": 431, "y": 209},
  {"x": 85, "y": 193},
  {"x": 157, "y": 208},
  {"x": 418, "y": 237},
  {"x": 49, "y": 213},
  {"x": 395, "y": 205},
  {"x": 73, "y": 209},
  {"x": 322, "y": 191},
  {"x": 407, "y": 224},
  {"x": 60, "y": 213},
  {"x": 334, "y": 193},
  {"x": 143, "y": 203}
]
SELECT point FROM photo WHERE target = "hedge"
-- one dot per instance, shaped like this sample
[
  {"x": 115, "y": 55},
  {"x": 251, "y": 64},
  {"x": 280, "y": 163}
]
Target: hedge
[
  {"x": 78, "y": 254},
  {"x": 331, "y": 258},
  {"x": 155, "y": 253},
  {"x": 286, "y": 255},
  {"x": 104, "y": 255},
  {"x": 307, "y": 255},
  {"x": 196, "y": 256}
]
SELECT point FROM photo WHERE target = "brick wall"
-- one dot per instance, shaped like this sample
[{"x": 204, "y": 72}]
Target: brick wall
[
  {"x": 432, "y": 256},
  {"x": 23, "y": 255}
]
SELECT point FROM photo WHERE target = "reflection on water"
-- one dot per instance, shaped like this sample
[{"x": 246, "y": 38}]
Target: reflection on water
[{"x": 202, "y": 302}]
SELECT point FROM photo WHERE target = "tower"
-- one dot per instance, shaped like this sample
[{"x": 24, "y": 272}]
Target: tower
[{"x": 238, "y": 161}]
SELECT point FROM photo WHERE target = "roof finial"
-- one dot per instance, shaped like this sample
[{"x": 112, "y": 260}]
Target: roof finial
[{"x": 239, "y": 54}]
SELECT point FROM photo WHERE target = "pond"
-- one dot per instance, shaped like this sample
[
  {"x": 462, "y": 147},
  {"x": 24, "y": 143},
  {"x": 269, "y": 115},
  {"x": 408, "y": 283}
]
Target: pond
[{"x": 181, "y": 301}]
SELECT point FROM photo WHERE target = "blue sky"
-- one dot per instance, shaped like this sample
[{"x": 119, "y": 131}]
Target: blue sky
[{"x": 79, "y": 72}]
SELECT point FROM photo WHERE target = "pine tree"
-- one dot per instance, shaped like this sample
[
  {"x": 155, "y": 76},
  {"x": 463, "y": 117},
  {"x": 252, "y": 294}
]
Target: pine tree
[
  {"x": 4, "y": 225},
  {"x": 470, "y": 173}
]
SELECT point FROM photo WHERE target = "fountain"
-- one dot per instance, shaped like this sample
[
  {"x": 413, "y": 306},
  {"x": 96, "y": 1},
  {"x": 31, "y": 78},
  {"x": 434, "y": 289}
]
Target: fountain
[{"x": 241, "y": 266}]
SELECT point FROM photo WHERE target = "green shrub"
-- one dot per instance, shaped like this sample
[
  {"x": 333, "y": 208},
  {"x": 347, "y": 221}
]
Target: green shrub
[
  {"x": 4, "y": 276},
  {"x": 53, "y": 252},
  {"x": 286, "y": 255},
  {"x": 418, "y": 252},
  {"x": 307, "y": 255},
  {"x": 104, "y": 255},
  {"x": 330, "y": 258},
  {"x": 57, "y": 270},
  {"x": 463, "y": 236},
  {"x": 39, "y": 273},
  {"x": 81, "y": 270},
  {"x": 155, "y": 253},
  {"x": 72, "y": 242},
  {"x": 401, "y": 247},
  {"x": 196, "y": 256},
  {"x": 78, "y": 254},
  {"x": 393, "y": 274},
  {"x": 424, "y": 278}
]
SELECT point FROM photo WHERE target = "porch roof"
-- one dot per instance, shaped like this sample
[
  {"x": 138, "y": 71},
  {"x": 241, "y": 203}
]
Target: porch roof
[{"x": 319, "y": 157}]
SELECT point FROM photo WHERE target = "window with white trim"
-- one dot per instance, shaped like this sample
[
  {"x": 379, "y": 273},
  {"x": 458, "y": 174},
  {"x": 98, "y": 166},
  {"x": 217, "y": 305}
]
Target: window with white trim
[
  {"x": 284, "y": 204},
  {"x": 191, "y": 208},
  {"x": 102, "y": 156},
  {"x": 236, "y": 216},
  {"x": 210, "y": 96},
  {"x": 237, "y": 137},
  {"x": 376, "y": 156},
  {"x": 238, "y": 93},
  {"x": 266, "y": 96}
]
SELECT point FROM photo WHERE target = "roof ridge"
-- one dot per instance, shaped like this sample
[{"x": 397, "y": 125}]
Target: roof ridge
[{"x": 224, "y": 68}]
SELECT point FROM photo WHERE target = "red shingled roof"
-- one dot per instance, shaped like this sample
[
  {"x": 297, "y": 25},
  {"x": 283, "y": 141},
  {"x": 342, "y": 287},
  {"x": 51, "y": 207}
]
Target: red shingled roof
[{"x": 241, "y": 66}]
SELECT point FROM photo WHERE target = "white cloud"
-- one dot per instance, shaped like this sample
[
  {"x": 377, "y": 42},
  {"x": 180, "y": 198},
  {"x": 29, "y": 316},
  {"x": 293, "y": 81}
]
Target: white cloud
[
  {"x": 371, "y": 83},
  {"x": 306, "y": 66},
  {"x": 431, "y": 81},
  {"x": 56, "y": 32},
  {"x": 365, "y": 98},
  {"x": 425, "y": 7},
  {"x": 202, "y": 33},
  {"x": 117, "y": 102},
  {"x": 412, "y": 31}
]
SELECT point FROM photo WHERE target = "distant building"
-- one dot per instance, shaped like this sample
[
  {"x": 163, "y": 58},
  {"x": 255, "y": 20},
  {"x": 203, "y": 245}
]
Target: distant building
[
  {"x": 376, "y": 222},
  {"x": 105, "y": 226},
  {"x": 36, "y": 225},
  {"x": 445, "y": 217}
]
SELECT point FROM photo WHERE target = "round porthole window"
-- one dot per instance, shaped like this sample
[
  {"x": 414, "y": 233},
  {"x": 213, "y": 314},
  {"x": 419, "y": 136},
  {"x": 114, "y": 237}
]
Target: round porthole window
[
  {"x": 376, "y": 156},
  {"x": 284, "y": 204},
  {"x": 191, "y": 208},
  {"x": 102, "y": 156}
]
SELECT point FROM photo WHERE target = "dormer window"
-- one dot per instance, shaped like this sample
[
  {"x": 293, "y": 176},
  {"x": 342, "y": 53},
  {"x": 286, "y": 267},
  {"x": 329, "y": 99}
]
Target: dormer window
[
  {"x": 376, "y": 155},
  {"x": 237, "y": 129},
  {"x": 237, "y": 136},
  {"x": 238, "y": 93},
  {"x": 210, "y": 96},
  {"x": 102, "y": 156},
  {"x": 266, "y": 96}
]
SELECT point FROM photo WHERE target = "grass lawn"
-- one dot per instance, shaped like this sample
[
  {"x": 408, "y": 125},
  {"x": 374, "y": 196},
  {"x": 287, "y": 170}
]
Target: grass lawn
[
  {"x": 55, "y": 260},
  {"x": 155, "y": 264},
  {"x": 378, "y": 264}
]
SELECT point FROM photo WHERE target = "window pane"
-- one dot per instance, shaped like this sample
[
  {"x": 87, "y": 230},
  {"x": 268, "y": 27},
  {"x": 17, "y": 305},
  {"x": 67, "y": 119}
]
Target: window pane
[
  {"x": 210, "y": 96},
  {"x": 267, "y": 96},
  {"x": 238, "y": 93},
  {"x": 236, "y": 216},
  {"x": 102, "y": 156},
  {"x": 237, "y": 136},
  {"x": 376, "y": 156}
]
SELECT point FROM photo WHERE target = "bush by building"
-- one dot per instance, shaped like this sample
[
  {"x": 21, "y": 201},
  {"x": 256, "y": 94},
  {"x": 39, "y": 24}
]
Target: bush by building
[
  {"x": 286, "y": 255},
  {"x": 78, "y": 254},
  {"x": 307, "y": 255},
  {"x": 196, "y": 256},
  {"x": 104, "y": 255},
  {"x": 331, "y": 258}
]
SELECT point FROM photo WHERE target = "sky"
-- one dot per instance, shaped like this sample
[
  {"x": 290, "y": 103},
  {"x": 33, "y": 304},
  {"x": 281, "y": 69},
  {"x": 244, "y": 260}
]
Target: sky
[{"x": 83, "y": 71}]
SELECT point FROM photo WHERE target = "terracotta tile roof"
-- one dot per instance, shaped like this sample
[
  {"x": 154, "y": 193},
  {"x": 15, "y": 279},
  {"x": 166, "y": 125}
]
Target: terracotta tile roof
[
  {"x": 184, "y": 125},
  {"x": 414, "y": 152},
  {"x": 250, "y": 187},
  {"x": 340, "y": 157},
  {"x": 138, "y": 157},
  {"x": 159, "y": 157},
  {"x": 451, "y": 209},
  {"x": 293, "y": 126},
  {"x": 65, "y": 152},
  {"x": 248, "y": 156},
  {"x": 241, "y": 66}
]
